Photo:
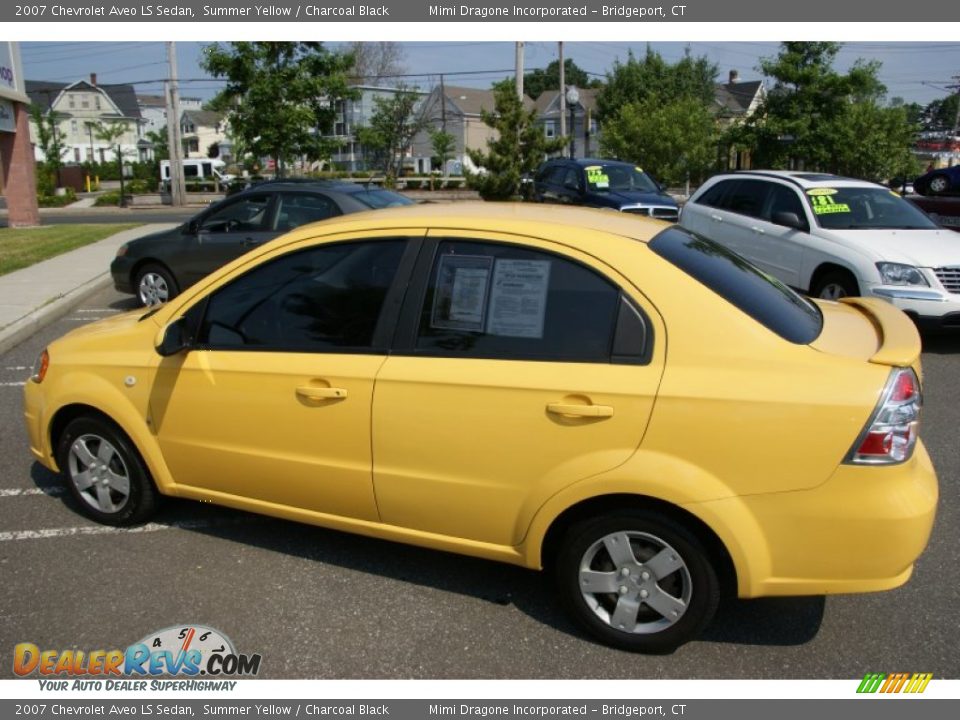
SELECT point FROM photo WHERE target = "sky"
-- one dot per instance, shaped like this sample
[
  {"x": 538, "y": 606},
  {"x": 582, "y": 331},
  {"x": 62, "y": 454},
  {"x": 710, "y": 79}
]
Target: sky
[{"x": 916, "y": 71}]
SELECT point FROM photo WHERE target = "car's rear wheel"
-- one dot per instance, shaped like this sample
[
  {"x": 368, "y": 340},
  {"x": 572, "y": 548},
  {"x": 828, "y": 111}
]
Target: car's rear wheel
[
  {"x": 104, "y": 472},
  {"x": 939, "y": 184},
  {"x": 155, "y": 284},
  {"x": 834, "y": 285},
  {"x": 638, "y": 581}
]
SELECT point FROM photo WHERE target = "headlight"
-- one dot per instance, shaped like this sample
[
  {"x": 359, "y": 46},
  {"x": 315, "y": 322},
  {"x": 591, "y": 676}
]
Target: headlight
[
  {"x": 40, "y": 367},
  {"x": 122, "y": 250},
  {"x": 897, "y": 274}
]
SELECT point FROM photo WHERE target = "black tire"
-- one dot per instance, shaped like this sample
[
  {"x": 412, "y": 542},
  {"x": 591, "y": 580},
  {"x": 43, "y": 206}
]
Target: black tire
[
  {"x": 94, "y": 457},
  {"x": 834, "y": 285},
  {"x": 691, "y": 588},
  {"x": 155, "y": 284},
  {"x": 938, "y": 184}
]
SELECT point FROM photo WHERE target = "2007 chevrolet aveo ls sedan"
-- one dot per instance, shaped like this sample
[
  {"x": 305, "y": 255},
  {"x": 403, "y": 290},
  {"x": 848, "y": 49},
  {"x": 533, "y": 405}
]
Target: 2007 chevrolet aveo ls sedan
[{"x": 624, "y": 403}]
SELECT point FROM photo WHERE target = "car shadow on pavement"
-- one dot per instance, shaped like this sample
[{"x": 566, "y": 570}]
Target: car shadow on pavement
[
  {"x": 769, "y": 622},
  {"x": 941, "y": 343}
]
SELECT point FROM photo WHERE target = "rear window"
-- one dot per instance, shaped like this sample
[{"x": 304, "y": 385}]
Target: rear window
[
  {"x": 377, "y": 199},
  {"x": 765, "y": 299}
]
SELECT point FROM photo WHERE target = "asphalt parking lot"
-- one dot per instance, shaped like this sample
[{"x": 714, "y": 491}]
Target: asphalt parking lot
[{"x": 321, "y": 604}]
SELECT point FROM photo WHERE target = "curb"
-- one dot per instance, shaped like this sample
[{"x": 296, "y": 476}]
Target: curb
[{"x": 19, "y": 330}]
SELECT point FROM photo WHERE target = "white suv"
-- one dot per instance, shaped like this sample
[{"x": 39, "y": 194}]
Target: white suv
[{"x": 832, "y": 236}]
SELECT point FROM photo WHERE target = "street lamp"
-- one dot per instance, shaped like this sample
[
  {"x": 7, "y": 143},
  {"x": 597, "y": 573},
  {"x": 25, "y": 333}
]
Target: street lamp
[{"x": 573, "y": 97}]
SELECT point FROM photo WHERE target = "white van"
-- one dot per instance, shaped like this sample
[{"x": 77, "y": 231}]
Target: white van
[{"x": 197, "y": 169}]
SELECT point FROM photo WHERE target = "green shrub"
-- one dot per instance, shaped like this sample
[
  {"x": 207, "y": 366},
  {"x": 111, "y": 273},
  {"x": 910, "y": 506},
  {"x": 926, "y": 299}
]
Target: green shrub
[
  {"x": 51, "y": 201},
  {"x": 108, "y": 198}
]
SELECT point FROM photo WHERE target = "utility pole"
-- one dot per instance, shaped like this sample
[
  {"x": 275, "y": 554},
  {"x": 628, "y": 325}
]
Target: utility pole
[
  {"x": 177, "y": 182},
  {"x": 956, "y": 120},
  {"x": 563, "y": 95},
  {"x": 443, "y": 105},
  {"x": 520, "y": 71}
]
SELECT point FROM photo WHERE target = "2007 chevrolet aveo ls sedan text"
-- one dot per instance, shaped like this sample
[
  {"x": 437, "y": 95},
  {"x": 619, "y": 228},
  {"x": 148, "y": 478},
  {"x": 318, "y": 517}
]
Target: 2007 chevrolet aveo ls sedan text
[{"x": 629, "y": 405}]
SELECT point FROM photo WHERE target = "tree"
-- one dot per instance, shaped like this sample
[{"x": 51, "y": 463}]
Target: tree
[
  {"x": 817, "y": 118},
  {"x": 658, "y": 114},
  {"x": 158, "y": 138},
  {"x": 941, "y": 114},
  {"x": 111, "y": 133},
  {"x": 393, "y": 125},
  {"x": 281, "y": 97},
  {"x": 51, "y": 145},
  {"x": 518, "y": 148},
  {"x": 653, "y": 78},
  {"x": 374, "y": 62},
  {"x": 538, "y": 81},
  {"x": 443, "y": 144},
  {"x": 674, "y": 141}
]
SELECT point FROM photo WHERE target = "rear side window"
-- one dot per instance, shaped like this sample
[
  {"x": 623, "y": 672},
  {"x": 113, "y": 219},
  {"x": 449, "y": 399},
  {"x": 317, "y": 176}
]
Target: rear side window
[
  {"x": 748, "y": 198},
  {"x": 493, "y": 300},
  {"x": 715, "y": 195},
  {"x": 766, "y": 300}
]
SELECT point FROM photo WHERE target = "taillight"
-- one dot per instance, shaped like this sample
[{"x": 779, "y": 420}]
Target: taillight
[
  {"x": 891, "y": 433},
  {"x": 40, "y": 367}
]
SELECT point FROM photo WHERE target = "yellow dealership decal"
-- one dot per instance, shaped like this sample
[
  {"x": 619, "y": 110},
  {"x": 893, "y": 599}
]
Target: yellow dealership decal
[
  {"x": 823, "y": 203},
  {"x": 596, "y": 176},
  {"x": 816, "y": 192}
]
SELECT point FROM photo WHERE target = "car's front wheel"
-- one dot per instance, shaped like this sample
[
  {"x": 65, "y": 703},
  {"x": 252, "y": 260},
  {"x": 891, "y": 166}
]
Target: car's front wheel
[
  {"x": 835, "y": 285},
  {"x": 637, "y": 580},
  {"x": 155, "y": 284},
  {"x": 104, "y": 472}
]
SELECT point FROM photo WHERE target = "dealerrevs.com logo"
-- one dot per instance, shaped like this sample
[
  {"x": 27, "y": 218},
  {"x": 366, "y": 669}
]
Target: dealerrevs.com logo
[
  {"x": 894, "y": 682},
  {"x": 178, "y": 651}
]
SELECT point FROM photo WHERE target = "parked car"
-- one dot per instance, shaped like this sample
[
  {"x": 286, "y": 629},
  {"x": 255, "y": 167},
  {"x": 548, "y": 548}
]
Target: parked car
[
  {"x": 941, "y": 181},
  {"x": 833, "y": 237},
  {"x": 944, "y": 211},
  {"x": 610, "y": 184},
  {"x": 495, "y": 380},
  {"x": 158, "y": 267}
]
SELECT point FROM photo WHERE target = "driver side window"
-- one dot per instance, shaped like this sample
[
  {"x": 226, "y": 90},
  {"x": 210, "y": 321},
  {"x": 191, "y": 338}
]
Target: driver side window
[{"x": 248, "y": 214}]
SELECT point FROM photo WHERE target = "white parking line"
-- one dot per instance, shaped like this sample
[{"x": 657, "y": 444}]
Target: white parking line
[
  {"x": 99, "y": 311},
  {"x": 20, "y": 492},
  {"x": 110, "y": 530},
  {"x": 17, "y": 367},
  {"x": 13, "y": 384}
]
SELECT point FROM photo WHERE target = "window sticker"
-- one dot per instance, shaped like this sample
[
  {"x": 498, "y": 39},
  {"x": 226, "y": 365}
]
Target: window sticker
[
  {"x": 817, "y": 192},
  {"x": 518, "y": 298},
  {"x": 460, "y": 300},
  {"x": 596, "y": 176},
  {"x": 638, "y": 168},
  {"x": 825, "y": 205}
]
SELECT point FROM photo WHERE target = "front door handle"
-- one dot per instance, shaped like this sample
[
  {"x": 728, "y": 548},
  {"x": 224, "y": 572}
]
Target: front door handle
[
  {"x": 249, "y": 242},
  {"x": 321, "y": 393},
  {"x": 580, "y": 410}
]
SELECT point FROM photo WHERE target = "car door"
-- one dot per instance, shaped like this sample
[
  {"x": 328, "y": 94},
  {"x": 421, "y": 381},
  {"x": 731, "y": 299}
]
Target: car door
[
  {"x": 507, "y": 384},
  {"x": 704, "y": 213},
  {"x": 550, "y": 186},
  {"x": 296, "y": 208},
  {"x": 273, "y": 401},
  {"x": 228, "y": 231},
  {"x": 779, "y": 248},
  {"x": 739, "y": 228}
]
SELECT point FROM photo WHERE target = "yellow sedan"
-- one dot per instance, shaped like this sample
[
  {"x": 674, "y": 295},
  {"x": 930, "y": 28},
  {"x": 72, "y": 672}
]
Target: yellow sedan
[{"x": 628, "y": 405}]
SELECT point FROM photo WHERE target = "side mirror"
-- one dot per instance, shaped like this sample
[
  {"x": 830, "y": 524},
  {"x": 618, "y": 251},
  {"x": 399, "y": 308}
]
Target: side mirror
[
  {"x": 191, "y": 227},
  {"x": 788, "y": 219},
  {"x": 173, "y": 338}
]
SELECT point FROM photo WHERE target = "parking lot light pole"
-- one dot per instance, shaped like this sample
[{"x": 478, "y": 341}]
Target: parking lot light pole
[{"x": 573, "y": 97}]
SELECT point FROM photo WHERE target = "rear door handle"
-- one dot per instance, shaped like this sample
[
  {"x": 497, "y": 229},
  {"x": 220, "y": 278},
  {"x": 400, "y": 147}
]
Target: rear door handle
[
  {"x": 758, "y": 230},
  {"x": 250, "y": 242},
  {"x": 321, "y": 393},
  {"x": 580, "y": 410},
  {"x": 716, "y": 218}
]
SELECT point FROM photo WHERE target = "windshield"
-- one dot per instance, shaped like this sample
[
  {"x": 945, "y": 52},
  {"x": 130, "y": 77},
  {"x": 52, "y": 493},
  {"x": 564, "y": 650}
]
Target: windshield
[
  {"x": 619, "y": 177},
  {"x": 377, "y": 199},
  {"x": 865, "y": 208}
]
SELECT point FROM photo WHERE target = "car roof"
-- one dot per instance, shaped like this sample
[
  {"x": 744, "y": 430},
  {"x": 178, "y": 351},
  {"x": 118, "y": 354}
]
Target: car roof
[
  {"x": 523, "y": 219},
  {"x": 310, "y": 184},
  {"x": 583, "y": 162},
  {"x": 803, "y": 178}
]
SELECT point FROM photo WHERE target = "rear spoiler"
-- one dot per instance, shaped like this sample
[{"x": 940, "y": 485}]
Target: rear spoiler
[{"x": 899, "y": 341}]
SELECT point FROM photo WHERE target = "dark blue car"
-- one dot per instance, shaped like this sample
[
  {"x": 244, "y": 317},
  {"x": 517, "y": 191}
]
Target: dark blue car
[
  {"x": 942, "y": 181},
  {"x": 611, "y": 184}
]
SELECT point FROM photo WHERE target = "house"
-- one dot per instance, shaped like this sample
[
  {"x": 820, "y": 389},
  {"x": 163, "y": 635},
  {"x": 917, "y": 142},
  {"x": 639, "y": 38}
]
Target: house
[
  {"x": 200, "y": 131},
  {"x": 583, "y": 131},
  {"x": 734, "y": 102},
  {"x": 153, "y": 110},
  {"x": 456, "y": 110},
  {"x": 83, "y": 105},
  {"x": 353, "y": 114}
]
